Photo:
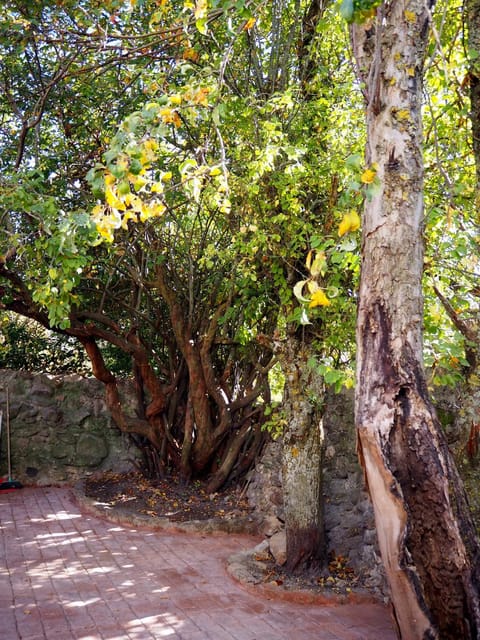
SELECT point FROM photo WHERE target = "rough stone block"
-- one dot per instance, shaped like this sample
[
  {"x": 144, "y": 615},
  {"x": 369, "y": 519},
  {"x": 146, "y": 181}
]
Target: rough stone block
[{"x": 278, "y": 547}]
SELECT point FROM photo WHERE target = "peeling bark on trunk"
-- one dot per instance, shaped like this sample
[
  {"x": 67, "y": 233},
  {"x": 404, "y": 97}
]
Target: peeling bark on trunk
[
  {"x": 473, "y": 23},
  {"x": 302, "y": 459},
  {"x": 426, "y": 536}
]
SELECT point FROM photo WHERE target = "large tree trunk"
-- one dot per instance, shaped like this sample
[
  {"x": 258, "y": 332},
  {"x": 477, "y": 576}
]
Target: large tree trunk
[
  {"x": 302, "y": 458},
  {"x": 473, "y": 24},
  {"x": 426, "y": 536}
]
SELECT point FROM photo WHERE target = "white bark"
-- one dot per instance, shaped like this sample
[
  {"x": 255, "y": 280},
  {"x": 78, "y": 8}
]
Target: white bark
[{"x": 416, "y": 493}]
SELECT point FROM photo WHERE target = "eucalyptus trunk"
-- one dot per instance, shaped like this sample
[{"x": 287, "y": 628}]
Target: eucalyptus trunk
[
  {"x": 473, "y": 25},
  {"x": 302, "y": 458},
  {"x": 426, "y": 535}
]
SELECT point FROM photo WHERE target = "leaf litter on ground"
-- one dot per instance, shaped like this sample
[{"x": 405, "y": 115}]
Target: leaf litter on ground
[{"x": 169, "y": 497}]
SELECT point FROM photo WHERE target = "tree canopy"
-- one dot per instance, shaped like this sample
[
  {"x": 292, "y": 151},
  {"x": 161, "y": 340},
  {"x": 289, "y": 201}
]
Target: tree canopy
[{"x": 184, "y": 181}]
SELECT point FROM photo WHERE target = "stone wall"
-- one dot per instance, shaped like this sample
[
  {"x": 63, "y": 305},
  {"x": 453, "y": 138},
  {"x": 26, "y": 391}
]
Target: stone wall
[
  {"x": 349, "y": 520},
  {"x": 60, "y": 428}
]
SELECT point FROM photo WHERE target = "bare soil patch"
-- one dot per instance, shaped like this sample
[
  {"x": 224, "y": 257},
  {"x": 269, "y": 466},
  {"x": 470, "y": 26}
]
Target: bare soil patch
[{"x": 166, "y": 498}]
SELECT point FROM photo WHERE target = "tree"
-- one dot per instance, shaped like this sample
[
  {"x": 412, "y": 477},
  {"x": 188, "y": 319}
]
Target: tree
[
  {"x": 207, "y": 171},
  {"x": 53, "y": 267},
  {"x": 473, "y": 26},
  {"x": 270, "y": 169},
  {"x": 426, "y": 536}
]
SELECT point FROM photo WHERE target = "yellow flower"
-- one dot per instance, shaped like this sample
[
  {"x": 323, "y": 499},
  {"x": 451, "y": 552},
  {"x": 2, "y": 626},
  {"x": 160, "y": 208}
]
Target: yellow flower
[
  {"x": 368, "y": 176},
  {"x": 169, "y": 116},
  {"x": 350, "y": 222},
  {"x": 249, "y": 24},
  {"x": 319, "y": 299}
]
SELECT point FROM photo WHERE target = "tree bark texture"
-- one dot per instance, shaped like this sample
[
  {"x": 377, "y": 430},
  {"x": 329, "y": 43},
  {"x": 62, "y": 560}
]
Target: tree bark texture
[
  {"x": 302, "y": 458},
  {"x": 426, "y": 536},
  {"x": 473, "y": 25}
]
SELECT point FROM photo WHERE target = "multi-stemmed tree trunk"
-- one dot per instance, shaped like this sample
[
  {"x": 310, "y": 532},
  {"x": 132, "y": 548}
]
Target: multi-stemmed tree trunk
[{"x": 426, "y": 536}]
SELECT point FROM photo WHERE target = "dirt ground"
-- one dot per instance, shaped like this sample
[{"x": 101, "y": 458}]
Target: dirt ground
[{"x": 167, "y": 498}]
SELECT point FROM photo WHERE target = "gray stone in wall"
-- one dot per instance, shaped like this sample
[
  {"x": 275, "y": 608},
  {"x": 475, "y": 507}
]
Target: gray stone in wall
[{"x": 91, "y": 450}]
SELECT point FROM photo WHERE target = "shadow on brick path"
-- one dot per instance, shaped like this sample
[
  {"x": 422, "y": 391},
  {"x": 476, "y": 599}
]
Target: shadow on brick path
[{"x": 66, "y": 574}]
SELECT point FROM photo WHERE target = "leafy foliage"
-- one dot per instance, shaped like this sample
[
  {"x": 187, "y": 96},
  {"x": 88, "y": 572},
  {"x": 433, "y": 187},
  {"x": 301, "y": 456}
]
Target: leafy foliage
[{"x": 181, "y": 183}]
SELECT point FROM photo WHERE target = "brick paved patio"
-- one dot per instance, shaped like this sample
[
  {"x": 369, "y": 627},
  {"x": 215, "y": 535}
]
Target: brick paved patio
[{"x": 68, "y": 575}]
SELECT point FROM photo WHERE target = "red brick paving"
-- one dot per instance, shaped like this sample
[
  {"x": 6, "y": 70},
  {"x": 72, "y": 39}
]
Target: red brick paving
[{"x": 66, "y": 575}]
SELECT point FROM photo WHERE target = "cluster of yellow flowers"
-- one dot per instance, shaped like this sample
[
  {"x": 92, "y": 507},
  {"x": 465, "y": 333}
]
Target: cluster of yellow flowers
[{"x": 123, "y": 205}]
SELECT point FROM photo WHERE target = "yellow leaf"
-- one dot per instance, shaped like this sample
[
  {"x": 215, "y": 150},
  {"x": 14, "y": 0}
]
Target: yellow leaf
[
  {"x": 201, "y": 7},
  {"x": 139, "y": 183},
  {"x": 109, "y": 179},
  {"x": 157, "y": 187},
  {"x": 157, "y": 208},
  {"x": 308, "y": 261},
  {"x": 129, "y": 215},
  {"x": 113, "y": 201},
  {"x": 350, "y": 222},
  {"x": 145, "y": 214},
  {"x": 410, "y": 16},
  {"x": 190, "y": 54},
  {"x": 97, "y": 210},
  {"x": 175, "y": 99},
  {"x": 200, "y": 97},
  {"x": 166, "y": 114},
  {"x": 318, "y": 266},
  {"x": 249, "y": 24},
  {"x": 319, "y": 299},
  {"x": 176, "y": 119},
  {"x": 150, "y": 146},
  {"x": 105, "y": 231},
  {"x": 402, "y": 114},
  {"x": 133, "y": 201},
  {"x": 215, "y": 171}
]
